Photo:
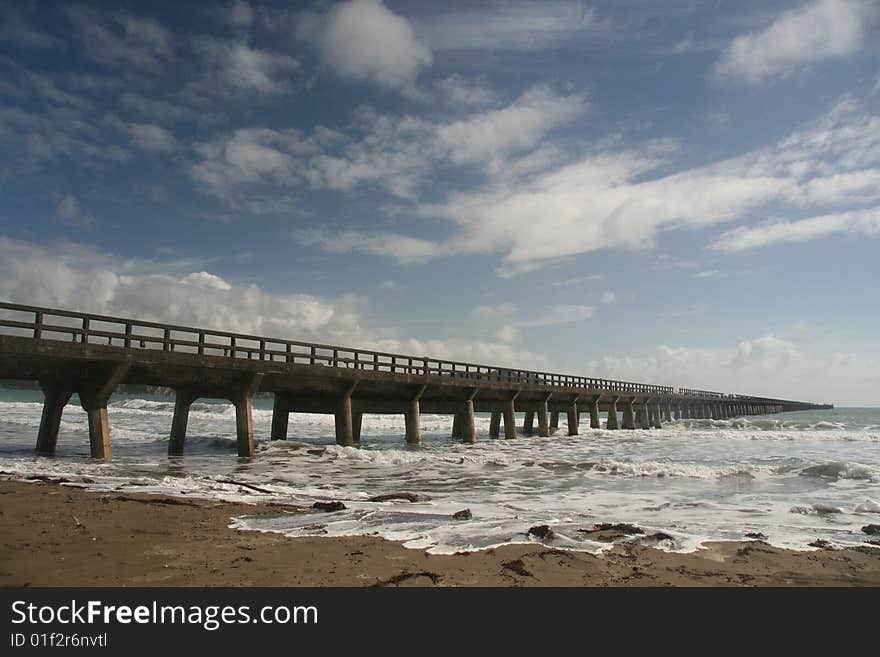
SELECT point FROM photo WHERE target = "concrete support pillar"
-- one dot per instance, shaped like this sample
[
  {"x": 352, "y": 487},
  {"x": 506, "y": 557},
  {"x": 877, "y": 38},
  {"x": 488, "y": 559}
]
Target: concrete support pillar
[
  {"x": 642, "y": 416},
  {"x": 344, "y": 422},
  {"x": 554, "y": 420},
  {"x": 509, "y": 420},
  {"x": 628, "y": 419},
  {"x": 413, "y": 431},
  {"x": 183, "y": 399},
  {"x": 469, "y": 431},
  {"x": 94, "y": 393},
  {"x": 529, "y": 423},
  {"x": 56, "y": 399},
  {"x": 658, "y": 423},
  {"x": 495, "y": 424},
  {"x": 594, "y": 413},
  {"x": 543, "y": 420},
  {"x": 612, "y": 414},
  {"x": 573, "y": 419},
  {"x": 357, "y": 421},
  {"x": 280, "y": 416},
  {"x": 676, "y": 411},
  {"x": 667, "y": 411},
  {"x": 456, "y": 426}
]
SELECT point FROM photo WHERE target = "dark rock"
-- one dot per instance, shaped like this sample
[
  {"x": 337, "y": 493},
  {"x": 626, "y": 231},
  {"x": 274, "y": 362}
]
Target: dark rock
[
  {"x": 659, "y": 536},
  {"x": 820, "y": 543},
  {"x": 872, "y": 530},
  {"x": 517, "y": 566},
  {"x": 624, "y": 528},
  {"x": 403, "y": 495},
  {"x": 329, "y": 506},
  {"x": 464, "y": 514},
  {"x": 541, "y": 531},
  {"x": 873, "y": 541},
  {"x": 757, "y": 535}
]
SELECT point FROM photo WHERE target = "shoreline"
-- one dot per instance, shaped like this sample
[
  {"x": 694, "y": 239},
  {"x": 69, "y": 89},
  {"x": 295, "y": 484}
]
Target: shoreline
[{"x": 55, "y": 535}]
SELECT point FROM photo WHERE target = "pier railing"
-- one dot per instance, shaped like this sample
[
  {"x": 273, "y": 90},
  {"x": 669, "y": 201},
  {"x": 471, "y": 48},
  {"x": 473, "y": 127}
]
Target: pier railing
[{"x": 86, "y": 328}]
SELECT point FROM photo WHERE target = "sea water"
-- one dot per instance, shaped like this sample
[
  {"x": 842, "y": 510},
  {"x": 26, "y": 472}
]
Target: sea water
[{"x": 792, "y": 477}]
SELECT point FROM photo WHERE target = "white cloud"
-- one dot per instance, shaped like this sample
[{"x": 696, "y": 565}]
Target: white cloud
[
  {"x": 577, "y": 280},
  {"x": 494, "y": 312},
  {"x": 16, "y": 29},
  {"x": 521, "y": 25},
  {"x": 818, "y": 30},
  {"x": 240, "y": 14},
  {"x": 744, "y": 238},
  {"x": 458, "y": 92},
  {"x": 243, "y": 68},
  {"x": 152, "y": 138},
  {"x": 707, "y": 273},
  {"x": 519, "y": 126},
  {"x": 156, "y": 109},
  {"x": 767, "y": 365},
  {"x": 609, "y": 297},
  {"x": 559, "y": 314},
  {"x": 119, "y": 39},
  {"x": 364, "y": 40},
  {"x": 609, "y": 199},
  {"x": 80, "y": 277},
  {"x": 403, "y": 249},
  {"x": 70, "y": 211}
]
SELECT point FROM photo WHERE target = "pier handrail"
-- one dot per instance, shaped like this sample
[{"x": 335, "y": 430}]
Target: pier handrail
[{"x": 89, "y": 328}]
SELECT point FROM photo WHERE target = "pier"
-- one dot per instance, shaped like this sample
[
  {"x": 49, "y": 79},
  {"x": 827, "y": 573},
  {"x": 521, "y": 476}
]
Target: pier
[{"x": 90, "y": 355}]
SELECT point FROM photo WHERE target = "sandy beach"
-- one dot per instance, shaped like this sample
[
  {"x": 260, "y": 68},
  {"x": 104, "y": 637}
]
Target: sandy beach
[{"x": 54, "y": 535}]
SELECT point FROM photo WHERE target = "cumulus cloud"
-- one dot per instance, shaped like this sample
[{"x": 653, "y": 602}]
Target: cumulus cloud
[
  {"x": 240, "y": 14},
  {"x": 152, "y": 138},
  {"x": 768, "y": 365},
  {"x": 243, "y": 68},
  {"x": 609, "y": 296},
  {"x": 364, "y": 40},
  {"x": 80, "y": 277},
  {"x": 818, "y": 30}
]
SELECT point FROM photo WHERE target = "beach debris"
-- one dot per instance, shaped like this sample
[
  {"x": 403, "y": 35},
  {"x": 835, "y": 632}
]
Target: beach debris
[
  {"x": 464, "y": 514},
  {"x": 757, "y": 535},
  {"x": 820, "y": 543},
  {"x": 315, "y": 528},
  {"x": 517, "y": 566},
  {"x": 329, "y": 506},
  {"x": 402, "y": 495},
  {"x": 873, "y": 530},
  {"x": 244, "y": 485},
  {"x": 405, "y": 575},
  {"x": 541, "y": 531},
  {"x": 76, "y": 520},
  {"x": 622, "y": 527}
]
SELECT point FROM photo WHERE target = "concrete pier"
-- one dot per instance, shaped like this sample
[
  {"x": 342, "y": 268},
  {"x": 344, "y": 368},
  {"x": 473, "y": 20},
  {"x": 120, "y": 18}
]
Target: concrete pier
[{"x": 69, "y": 353}]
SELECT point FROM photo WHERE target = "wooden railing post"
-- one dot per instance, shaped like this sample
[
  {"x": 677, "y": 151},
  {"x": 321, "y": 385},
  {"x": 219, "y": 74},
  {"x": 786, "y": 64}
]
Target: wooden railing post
[
  {"x": 127, "y": 340},
  {"x": 201, "y": 347},
  {"x": 38, "y": 325},
  {"x": 85, "y": 330},
  {"x": 166, "y": 340}
]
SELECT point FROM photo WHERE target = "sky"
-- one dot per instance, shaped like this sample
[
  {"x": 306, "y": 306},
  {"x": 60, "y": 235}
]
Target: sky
[{"x": 680, "y": 193}]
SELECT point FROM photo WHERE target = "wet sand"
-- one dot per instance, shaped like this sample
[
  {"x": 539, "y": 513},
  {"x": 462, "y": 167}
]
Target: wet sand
[{"x": 54, "y": 535}]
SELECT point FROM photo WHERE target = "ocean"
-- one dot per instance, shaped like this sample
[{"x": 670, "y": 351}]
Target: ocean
[{"x": 791, "y": 477}]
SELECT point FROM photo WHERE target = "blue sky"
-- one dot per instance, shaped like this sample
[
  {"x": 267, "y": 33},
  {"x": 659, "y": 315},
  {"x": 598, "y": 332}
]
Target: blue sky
[{"x": 679, "y": 193}]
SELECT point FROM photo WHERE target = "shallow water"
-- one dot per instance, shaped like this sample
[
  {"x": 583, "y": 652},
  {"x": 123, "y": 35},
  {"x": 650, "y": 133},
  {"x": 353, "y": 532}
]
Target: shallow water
[{"x": 793, "y": 477}]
